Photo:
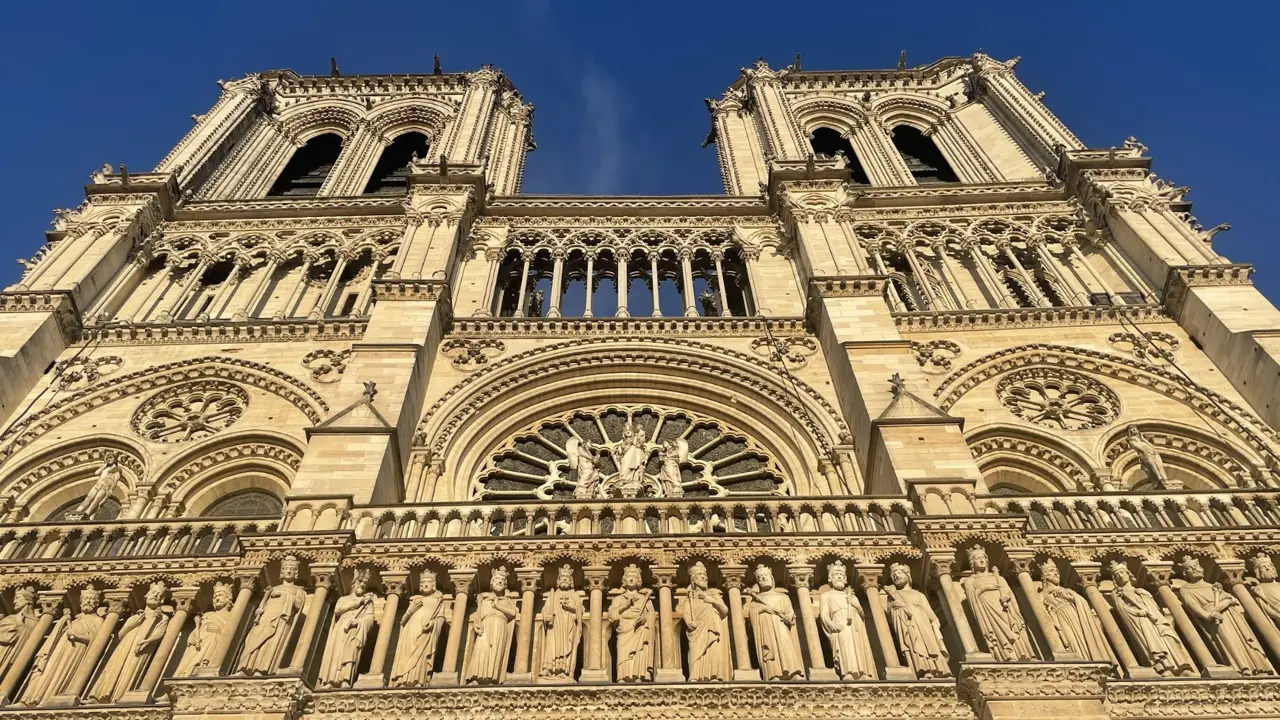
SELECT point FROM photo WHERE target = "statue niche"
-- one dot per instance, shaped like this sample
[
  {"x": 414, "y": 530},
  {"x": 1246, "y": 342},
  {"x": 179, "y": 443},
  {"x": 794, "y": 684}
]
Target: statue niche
[{"x": 620, "y": 452}]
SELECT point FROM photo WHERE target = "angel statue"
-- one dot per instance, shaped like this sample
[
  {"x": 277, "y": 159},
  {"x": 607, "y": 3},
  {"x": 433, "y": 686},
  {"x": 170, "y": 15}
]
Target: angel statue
[
  {"x": 674, "y": 452},
  {"x": 584, "y": 458},
  {"x": 635, "y": 455}
]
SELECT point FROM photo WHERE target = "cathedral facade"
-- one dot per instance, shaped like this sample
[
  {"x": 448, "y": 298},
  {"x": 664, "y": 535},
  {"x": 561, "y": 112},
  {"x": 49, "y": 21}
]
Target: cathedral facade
[{"x": 935, "y": 413}]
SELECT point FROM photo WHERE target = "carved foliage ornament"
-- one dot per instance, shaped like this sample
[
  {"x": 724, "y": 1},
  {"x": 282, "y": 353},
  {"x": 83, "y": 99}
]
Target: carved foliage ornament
[
  {"x": 468, "y": 354},
  {"x": 629, "y": 452},
  {"x": 1058, "y": 399},
  {"x": 935, "y": 355},
  {"x": 791, "y": 351},
  {"x": 1154, "y": 347},
  {"x": 326, "y": 366},
  {"x": 78, "y": 372},
  {"x": 190, "y": 412}
]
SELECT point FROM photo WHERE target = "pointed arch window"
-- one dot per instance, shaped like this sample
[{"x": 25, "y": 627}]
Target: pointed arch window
[
  {"x": 391, "y": 175},
  {"x": 829, "y": 143},
  {"x": 246, "y": 503},
  {"x": 923, "y": 158},
  {"x": 307, "y": 169}
]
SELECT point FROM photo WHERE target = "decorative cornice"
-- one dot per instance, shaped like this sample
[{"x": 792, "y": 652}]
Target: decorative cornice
[
  {"x": 1038, "y": 681},
  {"x": 612, "y": 327},
  {"x": 836, "y": 286},
  {"x": 787, "y": 701},
  {"x": 365, "y": 205},
  {"x": 396, "y": 289},
  {"x": 1184, "y": 277},
  {"x": 1252, "y": 698},
  {"x": 226, "y": 332},
  {"x": 279, "y": 697},
  {"x": 659, "y": 206},
  {"x": 920, "y": 322}
]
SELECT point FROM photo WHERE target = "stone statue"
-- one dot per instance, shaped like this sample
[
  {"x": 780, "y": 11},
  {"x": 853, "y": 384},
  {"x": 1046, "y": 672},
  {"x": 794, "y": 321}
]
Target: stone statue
[
  {"x": 420, "y": 633},
  {"x": 707, "y": 298},
  {"x": 635, "y": 455},
  {"x": 135, "y": 648},
  {"x": 1267, "y": 591},
  {"x": 706, "y": 627},
  {"x": 559, "y": 629},
  {"x": 209, "y": 627},
  {"x": 993, "y": 604},
  {"x": 353, "y": 617},
  {"x": 1221, "y": 619},
  {"x": 773, "y": 623},
  {"x": 635, "y": 622},
  {"x": 274, "y": 622},
  {"x": 492, "y": 624},
  {"x": 844, "y": 623},
  {"x": 63, "y": 650},
  {"x": 916, "y": 626},
  {"x": 15, "y": 628},
  {"x": 1157, "y": 642},
  {"x": 674, "y": 452},
  {"x": 533, "y": 307},
  {"x": 1074, "y": 622},
  {"x": 584, "y": 458},
  {"x": 1150, "y": 460},
  {"x": 107, "y": 477}
]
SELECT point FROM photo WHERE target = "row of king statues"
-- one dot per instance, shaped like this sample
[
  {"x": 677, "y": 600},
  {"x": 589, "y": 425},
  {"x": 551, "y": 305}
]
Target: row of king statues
[{"x": 99, "y": 655}]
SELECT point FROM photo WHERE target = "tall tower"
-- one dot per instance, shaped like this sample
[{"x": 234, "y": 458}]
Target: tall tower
[{"x": 935, "y": 413}]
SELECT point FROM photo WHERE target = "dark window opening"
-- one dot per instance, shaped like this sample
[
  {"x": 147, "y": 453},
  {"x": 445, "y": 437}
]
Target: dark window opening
[
  {"x": 349, "y": 304},
  {"x": 391, "y": 176},
  {"x": 923, "y": 158},
  {"x": 829, "y": 143},
  {"x": 308, "y": 168},
  {"x": 246, "y": 503}
]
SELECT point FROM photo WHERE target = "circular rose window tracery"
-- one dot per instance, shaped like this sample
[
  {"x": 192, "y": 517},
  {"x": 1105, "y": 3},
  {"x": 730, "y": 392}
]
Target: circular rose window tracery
[
  {"x": 1058, "y": 399},
  {"x": 628, "y": 452},
  {"x": 190, "y": 412}
]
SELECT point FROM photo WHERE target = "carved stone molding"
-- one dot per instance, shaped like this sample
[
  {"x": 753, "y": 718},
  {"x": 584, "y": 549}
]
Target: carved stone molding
[
  {"x": 1184, "y": 277},
  {"x": 227, "y": 332},
  {"x": 468, "y": 354},
  {"x": 1058, "y": 399},
  {"x": 283, "y": 697},
  {"x": 326, "y": 365},
  {"x": 917, "y": 322},
  {"x": 847, "y": 286},
  {"x": 612, "y": 327},
  {"x": 191, "y": 411},
  {"x": 987, "y": 682},
  {"x": 641, "y": 702},
  {"x": 393, "y": 289},
  {"x": 935, "y": 355},
  {"x": 1254, "y": 698}
]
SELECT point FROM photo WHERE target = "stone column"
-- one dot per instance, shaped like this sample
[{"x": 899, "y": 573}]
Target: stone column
[
  {"x": 593, "y": 670},
  {"x": 1089, "y": 574},
  {"x": 954, "y": 610},
  {"x": 197, "y": 272},
  {"x": 982, "y": 265},
  {"x": 557, "y": 282},
  {"x": 324, "y": 578},
  {"x": 718, "y": 256},
  {"x": 291, "y": 305},
  {"x": 128, "y": 278},
  {"x": 528, "y": 578},
  {"x": 219, "y": 659},
  {"x": 622, "y": 284},
  {"x": 183, "y": 598},
  {"x": 321, "y": 307},
  {"x": 49, "y": 603},
  {"x": 494, "y": 257},
  {"x": 1161, "y": 575},
  {"x": 1233, "y": 577},
  {"x": 591, "y": 282},
  {"x": 450, "y": 672},
  {"x": 1073, "y": 247},
  {"x": 162, "y": 286},
  {"x": 686, "y": 281},
  {"x": 801, "y": 578},
  {"x": 376, "y": 677},
  {"x": 869, "y": 577},
  {"x": 244, "y": 312},
  {"x": 750, "y": 256},
  {"x": 376, "y": 259},
  {"x": 228, "y": 286},
  {"x": 1021, "y": 564},
  {"x": 670, "y": 669},
  {"x": 117, "y": 606},
  {"x": 1006, "y": 247},
  {"x": 948, "y": 273},
  {"x": 908, "y": 250},
  {"x": 653, "y": 283},
  {"x": 733, "y": 578},
  {"x": 523, "y": 298}
]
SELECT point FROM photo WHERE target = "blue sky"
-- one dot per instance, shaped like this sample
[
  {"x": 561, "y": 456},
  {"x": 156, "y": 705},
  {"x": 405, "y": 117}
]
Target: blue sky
[{"x": 618, "y": 86}]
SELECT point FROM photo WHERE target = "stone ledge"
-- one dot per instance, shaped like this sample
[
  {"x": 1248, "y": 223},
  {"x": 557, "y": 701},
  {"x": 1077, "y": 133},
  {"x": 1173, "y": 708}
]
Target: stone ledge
[
  {"x": 613, "y": 327},
  {"x": 226, "y": 332},
  {"x": 282, "y": 697},
  {"x": 1194, "y": 698},
  {"x": 1026, "y": 318}
]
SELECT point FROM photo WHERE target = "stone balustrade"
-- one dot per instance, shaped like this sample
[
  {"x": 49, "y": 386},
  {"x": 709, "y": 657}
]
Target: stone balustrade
[
  {"x": 682, "y": 516},
  {"x": 128, "y": 538},
  {"x": 1159, "y": 510}
]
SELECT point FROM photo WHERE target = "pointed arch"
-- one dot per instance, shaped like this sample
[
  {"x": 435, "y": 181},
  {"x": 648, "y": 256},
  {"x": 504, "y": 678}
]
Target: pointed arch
[
  {"x": 65, "y": 473},
  {"x": 308, "y": 167},
  {"x": 221, "y": 467},
  {"x": 1193, "y": 458},
  {"x": 1023, "y": 457}
]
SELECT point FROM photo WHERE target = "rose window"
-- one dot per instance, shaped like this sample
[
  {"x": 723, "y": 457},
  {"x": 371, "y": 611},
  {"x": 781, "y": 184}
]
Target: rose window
[
  {"x": 629, "y": 452},
  {"x": 1058, "y": 399},
  {"x": 190, "y": 412}
]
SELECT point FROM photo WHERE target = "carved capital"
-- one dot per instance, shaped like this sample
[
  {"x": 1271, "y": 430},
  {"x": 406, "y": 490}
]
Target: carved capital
[
  {"x": 117, "y": 601},
  {"x": 734, "y": 576},
  {"x": 663, "y": 575},
  {"x": 1088, "y": 572},
  {"x": 1232, "y": 571},
  {"x": 1159, "y": 573},
  {"x": 528, "y": 577},
  {"x": 395, "y": 582},
  {"x": 596, "y": 576},
  {"x": 184, "y": 597},
  {"x": 462, "y": 579},
  {"x": 869, "y": 576},
  {"x": 801, "y": 576}
]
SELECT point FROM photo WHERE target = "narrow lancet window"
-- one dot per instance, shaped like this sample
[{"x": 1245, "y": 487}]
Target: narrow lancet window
[
  {"x": 923, "y": 158},
  {"x": 306, "y": 171}
]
